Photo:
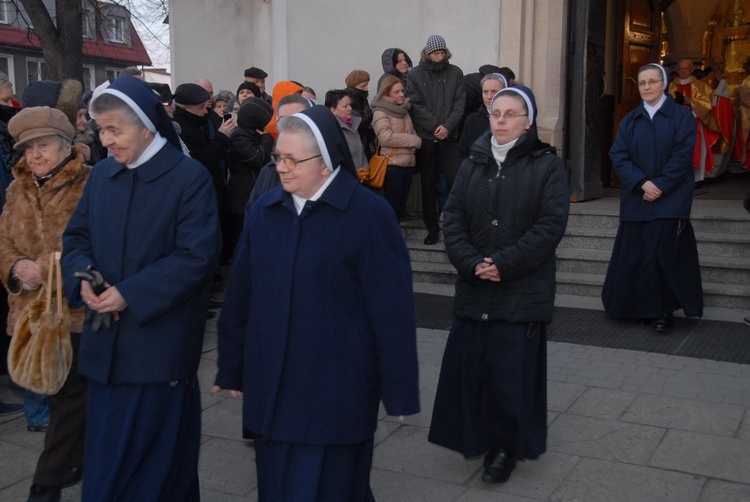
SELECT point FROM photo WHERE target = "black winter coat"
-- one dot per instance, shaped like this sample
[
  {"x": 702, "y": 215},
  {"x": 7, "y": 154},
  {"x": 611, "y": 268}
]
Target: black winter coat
[
  {"x": 211, "y": 152},
  {"x": 437, "y": 97},
  {"x": 361, "y": 108},
  {"x": 476, "y": 124},
  {"x": 515, "y": 214},
  {"x": 249, "y": 153}
]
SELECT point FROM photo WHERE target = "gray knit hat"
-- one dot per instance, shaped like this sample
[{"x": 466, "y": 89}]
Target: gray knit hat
[{"x": 435, "y": 43}]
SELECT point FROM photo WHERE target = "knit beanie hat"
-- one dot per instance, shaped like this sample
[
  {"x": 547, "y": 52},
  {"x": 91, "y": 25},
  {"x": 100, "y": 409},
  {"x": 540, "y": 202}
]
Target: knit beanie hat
[
  {"x": 356, "y": 77},
  {"x": 251, "y": 87},
  {"x": 435, "y": 43}
]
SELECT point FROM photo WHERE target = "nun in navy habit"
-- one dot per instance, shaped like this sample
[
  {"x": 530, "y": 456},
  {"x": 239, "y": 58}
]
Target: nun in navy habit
[
  {"x": 318, "y": 325},
  {"x": 148, "y": 223},
  {"x": 654, "y": 269}
]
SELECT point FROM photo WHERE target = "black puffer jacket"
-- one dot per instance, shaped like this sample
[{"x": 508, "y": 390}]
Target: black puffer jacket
[
  {"x": 515, "y": 214},
  {"x": 476, "y": 124},
  {"x": 437, "y": 97}
]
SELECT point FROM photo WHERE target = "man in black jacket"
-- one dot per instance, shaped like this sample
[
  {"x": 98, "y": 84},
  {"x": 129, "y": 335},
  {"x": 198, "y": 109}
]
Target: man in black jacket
[{"x": 437, "y": 105}]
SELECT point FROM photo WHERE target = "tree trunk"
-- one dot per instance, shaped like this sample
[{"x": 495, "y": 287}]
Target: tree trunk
[{"x": 62, "y": 44}]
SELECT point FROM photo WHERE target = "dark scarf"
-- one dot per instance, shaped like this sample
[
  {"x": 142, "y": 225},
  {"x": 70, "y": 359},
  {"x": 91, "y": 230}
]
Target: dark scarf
[
  {"x": 41, "y": 180},
  {"x": 391, "y": 108}
]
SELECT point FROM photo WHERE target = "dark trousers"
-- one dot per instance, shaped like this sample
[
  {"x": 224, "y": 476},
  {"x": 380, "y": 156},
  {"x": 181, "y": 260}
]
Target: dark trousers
[
  {"x": 433, "y": 158},
  {"x": 396, "y": 187},
  {"x": 64, "y": 440}
]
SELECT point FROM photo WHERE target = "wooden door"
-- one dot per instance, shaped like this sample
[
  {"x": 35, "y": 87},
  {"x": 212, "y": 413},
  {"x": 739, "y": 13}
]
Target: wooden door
[{"x": 638, "y": 45}]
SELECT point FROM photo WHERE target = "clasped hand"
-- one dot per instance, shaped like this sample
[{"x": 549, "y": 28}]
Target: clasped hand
[{"x": 487, "y": 270}]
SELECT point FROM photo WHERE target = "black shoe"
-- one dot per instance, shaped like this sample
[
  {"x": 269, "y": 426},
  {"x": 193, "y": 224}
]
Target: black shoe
[
  {"x": 43, "y": 493},
  {"x": 215, "y": 305},
  {"x": 432, "y": 238},
  {"x": 72, "y": 476},
  {"x": 10, "y": 408},
  {"x": 210, "y": 314},
  {"x": 500, "y": 467},
  {"x": 746, "y": 320},
  {"x": 37, "y": 428},
  {"x": 663, "y": 324}
]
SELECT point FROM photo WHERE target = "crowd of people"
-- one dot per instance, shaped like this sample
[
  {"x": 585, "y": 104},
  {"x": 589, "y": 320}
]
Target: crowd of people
[{"x": 153, "y": 190}]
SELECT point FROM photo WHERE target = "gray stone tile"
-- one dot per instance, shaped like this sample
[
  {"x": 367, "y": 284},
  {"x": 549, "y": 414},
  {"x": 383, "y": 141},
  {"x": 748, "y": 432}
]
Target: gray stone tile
[
  {"x": 400, "y": 487},
  {"x": 604, "y": 439},
  {"x": 597, "y": 480},
  {"x": 744, "y": 431},
  {"x": 672, "y": 413},
  {"x": 227, "y": 466},
  {"x": 722, "y": 491},
  {"x": 421, "y": 419},
  {"x": 479, "y": 495},
  {"x": 14, "y": 432},
  {"x": 224, "y": 419},
  {"x": 602, "y": 403},
  {"x": 384, "y": 430},
  {"x": 216, "y": 496},
  {"x": 534, "y": 479},
  {"x": 705, "y": 455},
  {"x": 18, "y": 465},
  {"x": 408, "y": 451},
  {"x": 560, "y": 395}
]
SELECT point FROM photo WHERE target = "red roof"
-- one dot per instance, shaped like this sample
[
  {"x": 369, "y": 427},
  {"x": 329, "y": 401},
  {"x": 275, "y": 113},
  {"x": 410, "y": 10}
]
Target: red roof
[{"x": 134, "y": 54}]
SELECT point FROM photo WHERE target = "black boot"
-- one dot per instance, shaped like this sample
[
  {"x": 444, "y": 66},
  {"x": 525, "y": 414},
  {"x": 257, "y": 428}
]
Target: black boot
[
  {"x": 43, "y": 493},
  {"x": 664, "y": 323}
]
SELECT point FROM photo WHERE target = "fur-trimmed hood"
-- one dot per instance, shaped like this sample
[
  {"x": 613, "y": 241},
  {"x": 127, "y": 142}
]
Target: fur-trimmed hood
[{"x": 425, "y": 58}]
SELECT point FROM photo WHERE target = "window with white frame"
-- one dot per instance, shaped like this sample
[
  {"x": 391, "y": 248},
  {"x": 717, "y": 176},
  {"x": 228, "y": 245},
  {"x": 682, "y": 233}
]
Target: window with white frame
[
  {"x": 36, "y": 69},
  {"x": 112, "y": 73},
  {"x": 89, "y": 23},
  {"x": 5, "y": 12},
  {"x": 88, "y": 77},
  {"x": 6, "y": 66},
  {"x": 116, "y": 29}
]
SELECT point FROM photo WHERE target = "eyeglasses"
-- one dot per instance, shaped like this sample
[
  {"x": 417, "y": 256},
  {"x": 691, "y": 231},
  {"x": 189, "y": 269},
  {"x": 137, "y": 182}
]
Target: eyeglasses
[
  {"x": 508, "y": 116},
  {"x": 289, "y": 161},
  {"x": 650, "y": 83}
]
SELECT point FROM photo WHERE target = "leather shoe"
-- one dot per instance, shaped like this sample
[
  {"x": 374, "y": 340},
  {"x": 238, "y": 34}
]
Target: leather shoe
[
  {"x": 499, "y": 468},
  {"x": 432, "y": 238},
  {"x": 37, "y": 428},
  {"x": 663, "y": 324},
  {"x": 43, "y": 493},
  {"x": 72, "y": 476}
]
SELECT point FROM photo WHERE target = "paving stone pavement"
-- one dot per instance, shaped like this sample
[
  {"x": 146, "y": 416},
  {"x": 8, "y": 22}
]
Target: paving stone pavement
[{"x": 623, "y": 426}]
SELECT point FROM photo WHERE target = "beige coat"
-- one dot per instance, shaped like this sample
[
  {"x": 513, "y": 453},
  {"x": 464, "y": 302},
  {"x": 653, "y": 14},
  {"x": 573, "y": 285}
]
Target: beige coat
[
  {"x": 32, "y": 224},
  {"x": 394, "y": 131}
]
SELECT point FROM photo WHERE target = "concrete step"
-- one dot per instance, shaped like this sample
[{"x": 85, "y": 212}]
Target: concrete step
[
  {"x": 436, "y": 273},
  {"x": 730, "y": 270},
  {"x": 420, "y": 252},
  {"x": 731, "y": 296}
]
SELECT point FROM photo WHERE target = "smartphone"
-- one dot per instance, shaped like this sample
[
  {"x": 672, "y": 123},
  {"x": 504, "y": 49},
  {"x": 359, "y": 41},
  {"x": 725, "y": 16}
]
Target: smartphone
[{"x": 227, "y": 116}]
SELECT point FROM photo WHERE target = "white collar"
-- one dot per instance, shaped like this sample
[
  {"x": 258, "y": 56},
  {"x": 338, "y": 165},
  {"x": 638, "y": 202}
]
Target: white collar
[
  {"x": 499, "y": 152},
  {"x": 156, "y": 144},
  {"x": 299, "y": 202},
  {"x": 684, "y": 81},
  {"x": 651, "y": 110}
]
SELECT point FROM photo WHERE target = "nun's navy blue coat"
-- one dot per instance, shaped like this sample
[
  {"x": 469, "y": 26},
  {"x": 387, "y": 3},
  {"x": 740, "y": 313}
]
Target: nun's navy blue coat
[
  {"x": 153, "y": 232},
  {"x": 318, "y": 324},
  {"x": 659, "y": 150}
]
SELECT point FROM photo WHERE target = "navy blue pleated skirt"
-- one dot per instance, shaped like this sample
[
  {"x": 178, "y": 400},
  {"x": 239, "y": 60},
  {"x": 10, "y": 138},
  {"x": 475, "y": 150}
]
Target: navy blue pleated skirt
[
  {"x": 294, "y": 472},
  {"x": 654, "y": 270},
  {"x": 492, "y": 390},
  {"x": 142, "y": 442}
]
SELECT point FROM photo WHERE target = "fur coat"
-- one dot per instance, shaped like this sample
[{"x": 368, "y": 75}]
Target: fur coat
[{"x": 32, "y": 224}]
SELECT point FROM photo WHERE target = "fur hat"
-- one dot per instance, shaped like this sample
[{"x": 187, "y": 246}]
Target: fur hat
[
  {"x": 254, "y": 114},
  {"x": 190, "y": 94},
  {"x": 254, "y": 72},
  {"x": 251, "y": 87},
  {"x": 435, "y": 43},
  {"x": 38, "y": 122},
  {"x": 64, "y": 96},
  {"x": 356, "y": 77}
]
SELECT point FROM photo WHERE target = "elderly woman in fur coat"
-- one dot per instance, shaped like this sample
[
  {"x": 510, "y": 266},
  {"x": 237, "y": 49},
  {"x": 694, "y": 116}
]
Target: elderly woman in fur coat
[{"x": 49, "y": 180}]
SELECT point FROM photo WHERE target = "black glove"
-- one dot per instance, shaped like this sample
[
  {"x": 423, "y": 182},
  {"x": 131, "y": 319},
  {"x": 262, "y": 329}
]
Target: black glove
[{"x": 98, "y": 320}]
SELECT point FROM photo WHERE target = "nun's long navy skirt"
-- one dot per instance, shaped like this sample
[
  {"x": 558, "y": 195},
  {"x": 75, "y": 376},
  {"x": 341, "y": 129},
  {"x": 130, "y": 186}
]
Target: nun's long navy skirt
[
  {"x": 654, "y": 270},
  {"x": 142, "y": 442},
  {"x": 492, "y": 390},
  {"x": 292, "y": 472}
]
